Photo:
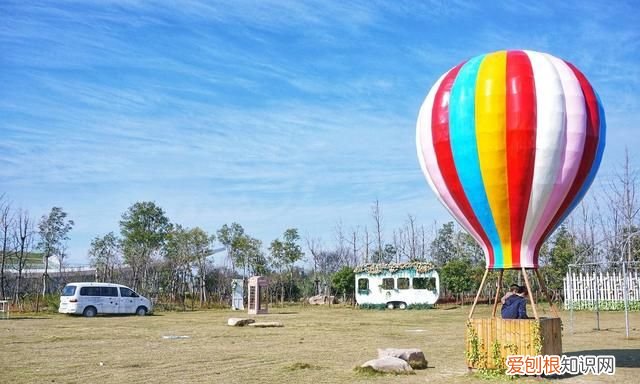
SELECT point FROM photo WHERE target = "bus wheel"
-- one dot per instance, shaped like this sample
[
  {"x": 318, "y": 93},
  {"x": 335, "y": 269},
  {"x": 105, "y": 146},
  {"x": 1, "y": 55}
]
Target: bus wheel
[
  {"x": 402, "y": 306},
  {"x": 390, "y": 306}
]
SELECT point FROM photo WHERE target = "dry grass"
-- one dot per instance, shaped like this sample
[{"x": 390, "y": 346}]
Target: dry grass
[{"x": 316, "y": 345}]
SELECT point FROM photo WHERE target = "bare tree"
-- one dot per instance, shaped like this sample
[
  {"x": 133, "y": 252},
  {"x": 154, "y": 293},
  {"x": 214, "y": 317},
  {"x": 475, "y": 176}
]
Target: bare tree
[
  {"x": 314, "y": 245},
  {"x": 353, "y": 245},
  {"x": 366, "y": 244},
  {"x": 409, "y": 240},
  {"x": 376, "y": 213},
  {"x": 342, "y": 247},
  {"x": 399, "y": 243},
  {"x": 622, "y": 206},
  {"x": 583, "y": 225},
  {"x": 325, "y": 264},
  {"x": 6, "y": 222},
  {"x": 24, "y": 239}
]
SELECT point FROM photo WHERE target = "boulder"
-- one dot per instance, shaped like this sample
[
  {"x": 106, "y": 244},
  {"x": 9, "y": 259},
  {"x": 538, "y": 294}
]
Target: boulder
[
  {"x": 266, "y": 324},
  {"x": 413, "y": 356},
  {"x": 389, "y": 364},
  {"x": 239, "y": 321},
  {"x": 322, "y": 299}
]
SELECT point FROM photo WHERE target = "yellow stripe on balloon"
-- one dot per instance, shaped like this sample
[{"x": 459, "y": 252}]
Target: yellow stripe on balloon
[{"x": 491, "y": 124}]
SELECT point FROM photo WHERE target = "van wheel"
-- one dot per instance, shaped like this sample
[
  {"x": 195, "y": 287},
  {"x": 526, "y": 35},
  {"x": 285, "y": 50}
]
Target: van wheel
[
  {"x": 402, "y": 306},
  {"x": 141, "y": 311},
  {"x": 90, "y": 312},
  {"x": 390, "y": 306}
]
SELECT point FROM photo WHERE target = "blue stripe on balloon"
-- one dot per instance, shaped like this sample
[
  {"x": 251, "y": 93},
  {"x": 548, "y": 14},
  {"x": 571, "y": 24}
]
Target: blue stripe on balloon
[
  {"x": 462, "y": 131},
  {"x": 594, "y": 167}
]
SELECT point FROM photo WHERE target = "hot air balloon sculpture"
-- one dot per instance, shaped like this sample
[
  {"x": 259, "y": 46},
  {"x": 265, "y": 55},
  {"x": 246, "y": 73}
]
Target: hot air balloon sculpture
[{"x": 510, "y": 142}]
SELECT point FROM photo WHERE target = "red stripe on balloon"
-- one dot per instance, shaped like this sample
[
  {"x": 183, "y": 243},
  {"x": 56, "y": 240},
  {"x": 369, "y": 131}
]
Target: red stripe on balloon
[
  {"x": 444, "y": 155},
  {"x": 588, "y": 156},
  {"x": 521, "y": 143}
]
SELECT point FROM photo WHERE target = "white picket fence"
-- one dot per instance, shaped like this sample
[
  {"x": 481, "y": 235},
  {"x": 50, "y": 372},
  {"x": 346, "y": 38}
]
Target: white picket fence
[{"x": 592, "y": 289}]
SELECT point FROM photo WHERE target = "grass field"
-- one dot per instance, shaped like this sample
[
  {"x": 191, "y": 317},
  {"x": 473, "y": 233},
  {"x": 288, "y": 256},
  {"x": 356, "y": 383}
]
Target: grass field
[{"x": 316, "y": 345}]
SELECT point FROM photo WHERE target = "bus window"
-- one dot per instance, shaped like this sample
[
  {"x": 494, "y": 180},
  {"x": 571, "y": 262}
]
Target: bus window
[
  {"x": 403, "y": 283},
  {"x": 387, "y": 283},
  {"x": 424, "y": 283},
  {"x": 431, "y": 284},
  {"x": 363, "y": 285},
  {"x": 419, "y": 283}
]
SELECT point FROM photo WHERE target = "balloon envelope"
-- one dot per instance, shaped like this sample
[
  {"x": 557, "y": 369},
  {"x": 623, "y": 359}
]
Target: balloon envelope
[{"x": 510, "y": 142}]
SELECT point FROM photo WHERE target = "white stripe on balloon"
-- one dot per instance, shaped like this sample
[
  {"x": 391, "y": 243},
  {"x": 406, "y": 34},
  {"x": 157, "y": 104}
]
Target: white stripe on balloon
[{"x": 550, "y": 146}]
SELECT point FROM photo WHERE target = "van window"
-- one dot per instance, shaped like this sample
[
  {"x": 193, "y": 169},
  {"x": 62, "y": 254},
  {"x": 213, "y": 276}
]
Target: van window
[
  {"x": 90, "y": 291},
  {"x": 403, "y": 283},
  {"x": 387, "y": 283},
  {"x": 126, "y": 292},
  {"x": 109, "y": 291},
  {"x": 69, "y": 290}
]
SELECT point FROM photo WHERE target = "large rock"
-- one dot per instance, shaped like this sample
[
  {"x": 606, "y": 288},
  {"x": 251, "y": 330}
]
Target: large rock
[
  {"x": 266, "y": 324},
  {"x": 413, "y": 356},
  {"x": 322, "y": 299},
  {"x": 389, "y": 364},
  {"x": 239, "y": 321}
]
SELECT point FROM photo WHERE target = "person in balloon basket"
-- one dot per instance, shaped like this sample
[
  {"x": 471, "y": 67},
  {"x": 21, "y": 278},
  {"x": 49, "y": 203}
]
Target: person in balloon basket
[
  {"x": 513, "y": 290},
  {"x": 515, "y": 303}
]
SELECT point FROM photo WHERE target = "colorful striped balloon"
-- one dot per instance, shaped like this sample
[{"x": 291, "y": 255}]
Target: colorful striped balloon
[{"x": 510, "y": 142}]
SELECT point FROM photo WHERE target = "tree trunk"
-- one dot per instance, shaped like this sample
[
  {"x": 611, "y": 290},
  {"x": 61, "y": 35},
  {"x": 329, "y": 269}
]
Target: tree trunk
[
  {"x": 44, "y": 276},
  {"x": 290, "y": 284},
  {"x": 281, "y": 291},
  {"x": 17, "y": 290},
  {"x": 203, "y": 293},
  {"x": 5, "y": 224}
]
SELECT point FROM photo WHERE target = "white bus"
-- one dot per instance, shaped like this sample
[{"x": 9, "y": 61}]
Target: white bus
[
  {"x": 90, "y": 299},
  {"x": 397, "y": 285}
]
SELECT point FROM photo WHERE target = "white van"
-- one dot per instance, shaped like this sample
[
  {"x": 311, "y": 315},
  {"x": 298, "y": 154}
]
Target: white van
[{"x": 89, "y": 299}]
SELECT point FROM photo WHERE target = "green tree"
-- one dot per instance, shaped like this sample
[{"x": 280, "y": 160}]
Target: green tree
[
  {"x": 104, "y": 255},
  {"x": 53, "y": 230},
  {"x": 456, "y": 276},
  {"x": 201, "y": 246},
  {"x": 292, "y": 252},
  {"x": 344, "y": 282},
  {"x": 256, "y": 260},
  {"x": 386, "y": 255},
  {"x": 179, "y": 259},
  {"x": 469, "y": 249},
  {"x": 284, "y": 254},
  {"x": 234, "y": 240},
  {"x": 443, "y": 247},
  {"x": 562, "y": 252},
  {"x": 278, "y": 260},
  {"x": 144, "y": 228}
]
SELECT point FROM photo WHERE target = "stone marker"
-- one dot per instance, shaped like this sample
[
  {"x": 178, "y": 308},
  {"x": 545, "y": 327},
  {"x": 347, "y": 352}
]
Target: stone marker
[
  {"x": 322, "y": 299},
  {"x": 239, "y": 321},
  {"x": 389, "y": 364},
  {"x": 413, "y": 356},
  {"x": 266, "y": 324}
]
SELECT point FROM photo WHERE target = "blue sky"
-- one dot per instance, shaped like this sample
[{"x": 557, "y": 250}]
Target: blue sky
[{"x": 273, "y": 114}]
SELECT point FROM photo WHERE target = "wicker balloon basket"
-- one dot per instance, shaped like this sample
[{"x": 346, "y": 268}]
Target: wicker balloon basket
[{"x": 490, "y": 340}]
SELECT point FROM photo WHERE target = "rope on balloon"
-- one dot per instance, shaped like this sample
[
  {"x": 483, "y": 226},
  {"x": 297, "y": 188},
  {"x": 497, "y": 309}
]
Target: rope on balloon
[{"x": 529, "y": 292}]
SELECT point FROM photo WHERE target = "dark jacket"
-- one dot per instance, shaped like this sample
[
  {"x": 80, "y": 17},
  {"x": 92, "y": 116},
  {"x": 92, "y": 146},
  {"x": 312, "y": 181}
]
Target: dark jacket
[{"x": 515, "y": 307}]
